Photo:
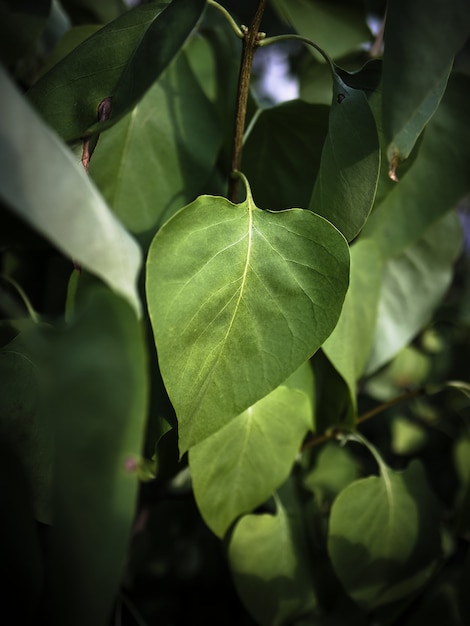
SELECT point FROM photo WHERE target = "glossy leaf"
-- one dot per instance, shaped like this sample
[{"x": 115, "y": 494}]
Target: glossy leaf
[
  {"x": 349, "y": 345},
  {"x": 42, "y": 183},
  {"x": 240, "y": 466},
  {"x": 337, "y": 27},
  {"x": 435, "y": 182},
  {"x": 345, "y": 187},
  {"x": 422, "y": 40},
  {"x": 122, "y": 61},
  {"x": 413, "y": 284},
  {"x": 98, "y": 412},
  {"x": 239, "y": 298},
  {"x": 383, "y": 535},
  {"x": 284, "y": 147},
  {"x": 157, "y": 157},
  {"x": 270, "y": 565}
]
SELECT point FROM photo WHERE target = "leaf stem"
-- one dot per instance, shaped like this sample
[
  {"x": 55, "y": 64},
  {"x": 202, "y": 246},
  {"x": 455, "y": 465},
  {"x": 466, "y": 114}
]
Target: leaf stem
[
  {"x": 278, "y": 38},
  {"x": 251, "y": 40},
  {"x": 235, "y": 27}
]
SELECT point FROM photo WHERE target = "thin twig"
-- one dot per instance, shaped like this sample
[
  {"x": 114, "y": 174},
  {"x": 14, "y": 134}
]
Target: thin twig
[{"x": 251, "y": 40}]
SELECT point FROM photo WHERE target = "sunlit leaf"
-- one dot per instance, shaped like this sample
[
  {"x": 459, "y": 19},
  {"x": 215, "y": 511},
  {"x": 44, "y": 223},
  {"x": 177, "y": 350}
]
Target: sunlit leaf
[
  {"x": 239, "y": 298},
  {"x": 422, "y": 39},
  {"x": 413, "y": 284},
  {"x": 348, "y": 347},
  {"x": 270, "y": 564},
  {"x": 157, "y": 157},
  {"x": 281, "y": 156},
  {"x": 240, "y": 466},
  {"x": 122, "y": 60},
  {"x": 345, "y": 187},
  {"x": 383, "y": 535},
  {"x": 98, "y": 413},
  {"x": 41, "y": 182}
]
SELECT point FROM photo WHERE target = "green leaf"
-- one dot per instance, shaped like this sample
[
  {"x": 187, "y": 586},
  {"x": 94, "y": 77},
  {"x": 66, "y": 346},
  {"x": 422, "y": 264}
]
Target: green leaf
[
  {"x": 335, "y": 468},
  {"x": 435, "y": 182},
  {"x": 22, "y": 417},
  {"x": 41, "y": 182},
  {"x": 240, "y": 466},
  {"x": 94, "y": 11},
  {"x": 270, "y": 564},
  {"x": 345, "y": 187},
  {"x": 239, "y": 298},
  {"x": 422, "y": 40},
  {"x": 413, "y": 284},
  {"x": 98, "y": 412},
  {"x": 336, "y": 26},
  {"x": 384, "y": 535},
  {"x": 282, "y": 154},
  {"x": 122, "y": 61},
  {"x": 156, "y": 158},
  {"x": 349, "y": 345}
]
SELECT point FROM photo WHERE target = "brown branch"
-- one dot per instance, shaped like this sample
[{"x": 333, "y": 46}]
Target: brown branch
[
  {"x": 250, "y": 43},
  {"x": 333, "y": 434}
]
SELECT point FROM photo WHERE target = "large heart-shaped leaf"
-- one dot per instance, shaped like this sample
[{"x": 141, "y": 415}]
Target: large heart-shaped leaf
[
  {"x": 269, "y": 559},
  {"x": 43, "y": 184},
  {"x": 240, "y": 466},
  {"x": 239, "y": 298},
  {"x": 345, "y": 187},
  {"x": 422, "y": 38},
  {"x": 384, "y": 535},
  {"x": 122, "y": 60}
]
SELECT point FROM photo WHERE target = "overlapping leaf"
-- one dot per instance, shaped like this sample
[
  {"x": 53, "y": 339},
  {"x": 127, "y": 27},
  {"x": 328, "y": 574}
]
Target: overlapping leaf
[
  {"x": 239, "y": 298},
  {"x": 270, "y": 564},
  {"x": 157, "y": 157},
  {"x": 42, "y": 183},
  {"x": 98, "y": 415},
  {"x": 122, "y": 61},
  {"x": 284, "y": 147},
  {"x": 384, "y": 535},
  {"x": 338, "y": 27},
  {"x": 412, "y": 286},
  {"x": 422, "y": 39},
  {"x": 345, "y": 187},
  {"x": 434, "y": 183},
  {"x": 240, "y": 466},
  {"x": 348, "y": 347}
]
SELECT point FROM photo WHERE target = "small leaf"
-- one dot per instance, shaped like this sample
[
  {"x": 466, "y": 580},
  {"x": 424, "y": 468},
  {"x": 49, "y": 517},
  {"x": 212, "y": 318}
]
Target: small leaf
[
  {"x": 41, "y": 182},
  {"x": 282, "y": 154},
  {"x": 240, "y": 466},
  {"x": 414, "y": 81},
  {"x": 270, "y": 565},
  {"x": 122, "y": 61},
  {"x": 413, "y": 284},
  {"x": 165, "y": 159},
  {"x": 345, "y": 187},
  {"x": 239, "y": 298},
  {"x": 384, "y": 535},
  {"x": 99, "y": 373},
  {"x": 349, "y": 345}
]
